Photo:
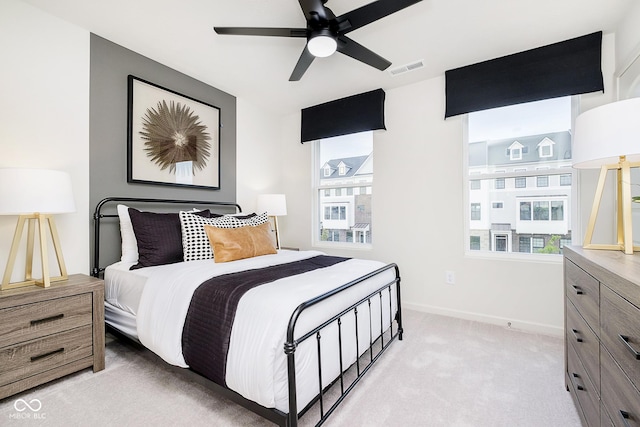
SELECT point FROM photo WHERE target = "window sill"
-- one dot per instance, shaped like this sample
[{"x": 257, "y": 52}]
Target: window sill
[
  {"x": 343, "y": 245},
  {"x": 515, "y": 256}
]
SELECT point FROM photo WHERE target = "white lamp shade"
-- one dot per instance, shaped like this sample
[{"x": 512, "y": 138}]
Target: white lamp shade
[
  {"x": 272, "y": 204},
  {"x": 322, "y": 46},
  {"x": 28, "y": 191},
  {"x": 605, "y": 133}
]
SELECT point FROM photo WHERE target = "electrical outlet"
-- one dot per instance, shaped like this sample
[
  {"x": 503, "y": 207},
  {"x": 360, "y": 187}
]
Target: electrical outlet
[{"x": 449, "y": 277}]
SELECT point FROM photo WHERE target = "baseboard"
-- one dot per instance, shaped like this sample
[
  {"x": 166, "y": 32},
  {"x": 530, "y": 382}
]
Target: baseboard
[{"x": 515, "y": 324}]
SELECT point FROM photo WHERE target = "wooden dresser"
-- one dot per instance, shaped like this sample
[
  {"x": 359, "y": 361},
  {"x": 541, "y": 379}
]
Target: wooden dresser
[
  {"x": 602, "y": 341},
  {"x": 46, "y": 333}
]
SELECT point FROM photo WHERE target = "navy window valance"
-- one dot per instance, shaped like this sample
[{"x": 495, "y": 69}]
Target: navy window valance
[
  {"x": 566, "y": 68},
  {"x": 357, "y": 113}
]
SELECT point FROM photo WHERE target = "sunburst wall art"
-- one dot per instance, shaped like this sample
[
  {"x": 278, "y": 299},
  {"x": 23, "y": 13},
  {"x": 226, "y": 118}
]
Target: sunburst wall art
[{"x": 172, "y": 139}]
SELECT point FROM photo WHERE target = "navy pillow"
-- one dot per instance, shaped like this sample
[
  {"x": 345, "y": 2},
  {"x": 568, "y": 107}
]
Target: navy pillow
[{"x": 159, "y": 237}]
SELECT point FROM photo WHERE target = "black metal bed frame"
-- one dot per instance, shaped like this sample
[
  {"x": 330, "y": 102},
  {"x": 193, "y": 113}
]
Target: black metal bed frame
[{"x": 280, "y": 418}]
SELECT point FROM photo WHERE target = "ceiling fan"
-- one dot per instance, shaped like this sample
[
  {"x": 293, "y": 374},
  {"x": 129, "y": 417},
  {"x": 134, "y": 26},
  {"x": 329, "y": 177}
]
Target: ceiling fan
[{"x": 326, "y": 33}]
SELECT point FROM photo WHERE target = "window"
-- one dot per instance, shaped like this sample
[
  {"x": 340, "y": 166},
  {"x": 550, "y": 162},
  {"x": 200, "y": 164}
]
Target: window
[
  {"x": 343, "y": 197},
  {"x": 535, "y": 205},
  {"x": 474, "y": 243},
  {"x": 524, "y": 244},
  {"x": 537, "y": 243},
  {"x": 475, "y": 211}
]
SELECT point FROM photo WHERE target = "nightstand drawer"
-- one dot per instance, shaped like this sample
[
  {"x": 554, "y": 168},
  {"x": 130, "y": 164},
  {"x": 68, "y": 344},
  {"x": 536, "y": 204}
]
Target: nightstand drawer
[
  {"x": 583, "y": 290},
  {"x": 31, "y": 321},
  {"x": 39, "y": 355}
]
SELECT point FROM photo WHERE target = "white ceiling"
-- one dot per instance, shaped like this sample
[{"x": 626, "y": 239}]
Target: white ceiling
[{"x": 444, "y": 33}]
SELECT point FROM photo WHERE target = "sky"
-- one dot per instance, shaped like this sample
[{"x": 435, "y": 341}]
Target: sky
[
  {"x": 550, "y": 115},
  {"x": 357, "y": 144}
]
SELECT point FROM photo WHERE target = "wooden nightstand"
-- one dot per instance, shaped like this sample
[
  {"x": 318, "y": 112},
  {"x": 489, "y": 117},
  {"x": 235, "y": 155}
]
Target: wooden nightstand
[{"x": 47, "y": 333}]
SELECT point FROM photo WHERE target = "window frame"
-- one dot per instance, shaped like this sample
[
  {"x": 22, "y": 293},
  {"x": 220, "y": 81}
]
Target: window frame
[
  {"x": 572, "y": 207},
  {"x": 316, "y": 202}
]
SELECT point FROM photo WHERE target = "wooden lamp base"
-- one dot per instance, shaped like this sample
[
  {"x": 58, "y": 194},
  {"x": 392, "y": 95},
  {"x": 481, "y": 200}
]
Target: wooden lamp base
[{"x": 46, "y": 280}]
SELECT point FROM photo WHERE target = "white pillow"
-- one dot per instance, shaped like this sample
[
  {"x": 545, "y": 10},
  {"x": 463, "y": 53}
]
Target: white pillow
[
  {"x": 129, "y": 242},
  {"x": 195, "y": 242}
]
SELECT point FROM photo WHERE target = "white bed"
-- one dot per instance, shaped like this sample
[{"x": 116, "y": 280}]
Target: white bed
[{"x": 281, "y": 327}]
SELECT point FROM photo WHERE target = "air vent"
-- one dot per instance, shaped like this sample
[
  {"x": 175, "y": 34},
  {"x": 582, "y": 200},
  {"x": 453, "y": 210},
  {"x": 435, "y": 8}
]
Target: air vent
[{"x": 406, "y": 68}]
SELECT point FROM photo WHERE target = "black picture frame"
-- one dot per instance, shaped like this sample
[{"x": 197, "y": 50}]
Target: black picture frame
[{"x": 172, "y": 139}]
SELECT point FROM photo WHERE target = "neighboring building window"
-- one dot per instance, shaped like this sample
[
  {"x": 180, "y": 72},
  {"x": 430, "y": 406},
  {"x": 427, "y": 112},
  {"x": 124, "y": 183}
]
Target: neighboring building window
[
  {"x": 474, "y": 243},
  {"x": 536, "y": 209},
  {"x": 343, "y": 196},
  {"x": 515, "y": 151},
  {"x": 545, "y": 148},
  {"x": 537, "y": 243},
  {"x": 475, "y": 211}
]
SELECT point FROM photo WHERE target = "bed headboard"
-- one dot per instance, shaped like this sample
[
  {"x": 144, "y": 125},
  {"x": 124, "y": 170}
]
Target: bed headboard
[{"x": 107, "y": 209}]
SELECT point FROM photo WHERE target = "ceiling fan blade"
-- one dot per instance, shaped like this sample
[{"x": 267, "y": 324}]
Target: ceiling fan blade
[
  {"x": 355, "y": 50},
  {"x": 306, "y": 58},
  {"x": 371, "y": 12},
  {"x": 249, "y": 31},
  {"x": 314, "y": 7}
]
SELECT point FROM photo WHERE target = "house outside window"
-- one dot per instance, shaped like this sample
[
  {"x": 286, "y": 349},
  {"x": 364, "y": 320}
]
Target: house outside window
[
  {"x": 475, "y": 212},
  {"x": 539, "y": 210},
  {"x": 342, "y": 210}
]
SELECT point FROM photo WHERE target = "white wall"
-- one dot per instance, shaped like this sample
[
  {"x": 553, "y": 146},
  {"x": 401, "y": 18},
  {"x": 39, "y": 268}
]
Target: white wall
[
  {"x": 418, "y": 215},
  {"x": 44, "y": 117},
  {"x": 258, "y": 164}
]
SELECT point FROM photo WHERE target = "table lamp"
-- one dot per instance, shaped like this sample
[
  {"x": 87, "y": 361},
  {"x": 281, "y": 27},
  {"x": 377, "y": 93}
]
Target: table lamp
[
  {"x": 608, "y": 138},
  {"x": 274, "y": 205},
  {"x": 35, "y": 195}
]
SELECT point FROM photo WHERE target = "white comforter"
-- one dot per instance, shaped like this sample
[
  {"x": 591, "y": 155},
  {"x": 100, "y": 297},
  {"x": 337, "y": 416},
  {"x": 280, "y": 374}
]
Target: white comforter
[{"x": 256, "y": 364}]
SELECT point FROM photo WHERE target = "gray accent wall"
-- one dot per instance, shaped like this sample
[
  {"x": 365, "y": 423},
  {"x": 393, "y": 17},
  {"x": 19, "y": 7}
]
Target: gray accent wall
[{"x": 110, "y": 64}]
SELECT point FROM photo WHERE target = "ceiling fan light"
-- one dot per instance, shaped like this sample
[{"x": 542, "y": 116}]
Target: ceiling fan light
[{"x": 322, "y": 45}]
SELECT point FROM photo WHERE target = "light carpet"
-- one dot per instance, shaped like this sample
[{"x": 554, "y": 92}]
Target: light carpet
[{"x": 446, "y": 372}]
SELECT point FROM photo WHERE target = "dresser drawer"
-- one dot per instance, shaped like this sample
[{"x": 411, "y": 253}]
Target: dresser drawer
[
  {"x": 584, "y": 291},
  {"x": 621, "y": 399},
  {"x": 582, "y": 387},
  {"x": 39, "y": 355},
  {"x": 585, "y": 342},
  {"x": 621, "y": 332},
  {"x": 30, "y": 321}
]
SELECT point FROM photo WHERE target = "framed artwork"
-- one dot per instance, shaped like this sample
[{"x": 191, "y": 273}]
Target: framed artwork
[{"x": 172, "y": 139}]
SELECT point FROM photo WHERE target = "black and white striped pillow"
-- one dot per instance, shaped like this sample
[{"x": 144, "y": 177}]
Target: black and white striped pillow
[{"x": 195, "y": 243}]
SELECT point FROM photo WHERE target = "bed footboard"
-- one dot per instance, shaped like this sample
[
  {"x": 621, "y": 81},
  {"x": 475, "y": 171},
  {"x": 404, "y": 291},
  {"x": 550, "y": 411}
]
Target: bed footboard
[{"x": 379, "y": 343}]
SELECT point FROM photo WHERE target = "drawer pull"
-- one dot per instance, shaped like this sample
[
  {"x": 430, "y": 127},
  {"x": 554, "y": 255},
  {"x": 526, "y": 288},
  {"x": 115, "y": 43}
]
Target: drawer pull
[
  {"x": 51, "y": 353},
  {"x": 575, "y": 334},
  {"x": 578, "y": 386},
  {"x": 625, "y": 417},
  {"x": 625, "y": 340},
  {"x": 577, "y": 289},
  {"x": 47, "y": 319}
]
